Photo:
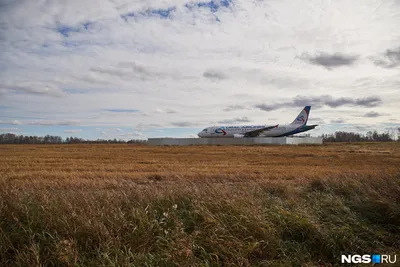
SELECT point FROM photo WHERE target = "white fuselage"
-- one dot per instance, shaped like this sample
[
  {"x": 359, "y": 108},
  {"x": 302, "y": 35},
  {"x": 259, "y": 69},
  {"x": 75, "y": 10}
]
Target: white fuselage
[{"x": 236, "y": 131}]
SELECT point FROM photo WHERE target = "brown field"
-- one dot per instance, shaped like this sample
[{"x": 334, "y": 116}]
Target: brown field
[{"x": 127, "y": 205}]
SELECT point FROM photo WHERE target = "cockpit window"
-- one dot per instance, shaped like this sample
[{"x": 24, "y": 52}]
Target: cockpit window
[{"x": 205, "y": 130}]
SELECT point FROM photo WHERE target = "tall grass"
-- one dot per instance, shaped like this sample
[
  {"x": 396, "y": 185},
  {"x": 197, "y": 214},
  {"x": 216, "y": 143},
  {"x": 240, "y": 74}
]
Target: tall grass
[{"x": 100, "y": 205}]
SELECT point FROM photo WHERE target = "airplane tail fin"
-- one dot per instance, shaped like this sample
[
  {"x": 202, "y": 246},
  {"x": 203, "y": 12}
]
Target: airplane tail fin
[{"x": 302, "y": 118}]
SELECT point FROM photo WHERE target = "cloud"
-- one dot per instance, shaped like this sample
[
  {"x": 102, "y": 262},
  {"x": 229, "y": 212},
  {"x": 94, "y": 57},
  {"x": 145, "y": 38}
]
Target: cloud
[
  {"x": 128, "y": 71},
  {"x": 234, "y": 107},
  {"x": 13, "y": 122},
  {"x": 111, "y": 71},
  {"x": 73, "y": 131},
  {"x": 71, "y": 61},
  {"x": 266, "y": 107},
  {"x": 182, "y": 124},
  {"x": 315, "y": 120},
  {"x": 118, "y": 133},
  {"x": 131, "y": 134},
  {"x": 338, "y": 121},
  {"x": 235, "y": 120},
  {"x": 143, "y": 126},
  {"x": 334, "y": 103},
  {"x": 9, "y": 129},
  {"x": 214, "y": 75},
  {"x": 390, "y": 59},
  {"x": 33, "y": 88},
  {"x": 361, "y": 128},
  {"x": 372, "y": 114},
  {"x": 371, "y": 101},
  {"x": 324, "y": 100},
  {"x": 53, "y": 123},
  {"x": 166, "y": 110},
  {"x": 120, "y": 110},
  {"x": 330, "y": 61},
  {"x": 137, "y": 133}
]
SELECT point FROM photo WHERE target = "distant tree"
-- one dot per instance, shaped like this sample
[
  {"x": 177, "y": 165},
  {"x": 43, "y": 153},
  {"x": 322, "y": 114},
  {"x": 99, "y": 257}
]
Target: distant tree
[
  {"x": 10, "y": 138},
  {"x": 398, "y": 134},
  {"x": 369, "y": 135},
  {"x": 341, "y": 136}
]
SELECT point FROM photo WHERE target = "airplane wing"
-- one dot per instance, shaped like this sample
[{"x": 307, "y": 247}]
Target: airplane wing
[{"x": 257, "y": 132}]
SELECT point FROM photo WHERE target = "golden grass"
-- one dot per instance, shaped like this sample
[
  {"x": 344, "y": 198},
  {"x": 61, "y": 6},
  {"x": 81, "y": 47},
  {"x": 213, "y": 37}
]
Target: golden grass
[
  {"x": 134, "y": 205},
  {"x": 28, "y": 165}
]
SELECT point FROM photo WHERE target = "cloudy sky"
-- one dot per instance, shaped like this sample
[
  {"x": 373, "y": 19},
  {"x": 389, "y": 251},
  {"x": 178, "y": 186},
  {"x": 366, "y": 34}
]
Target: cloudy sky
[{"x": 138, "y": 69}]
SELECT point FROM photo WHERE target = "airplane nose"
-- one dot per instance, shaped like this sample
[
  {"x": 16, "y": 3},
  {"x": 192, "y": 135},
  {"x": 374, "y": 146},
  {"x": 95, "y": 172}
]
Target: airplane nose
[{"x": 199, "y": 134}]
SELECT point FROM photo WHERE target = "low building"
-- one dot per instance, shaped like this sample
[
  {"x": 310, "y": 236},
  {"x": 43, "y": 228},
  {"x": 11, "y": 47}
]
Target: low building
[{"x": 234, "y": 141}]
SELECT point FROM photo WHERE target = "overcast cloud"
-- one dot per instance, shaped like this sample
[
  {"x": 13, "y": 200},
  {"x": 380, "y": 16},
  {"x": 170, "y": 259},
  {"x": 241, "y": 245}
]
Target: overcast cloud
[
  {"x": 235, "y": 121},
  {"x": 142, "y": 65},
  {"x": 389, "y": 59},
  {"x": 73, "y": 131},
  {"x": 373, "y": 114},
  {"x": 331, "y": 61},
  {"x": 321, "y": 101},
  {"x": 338, "y": 121}
]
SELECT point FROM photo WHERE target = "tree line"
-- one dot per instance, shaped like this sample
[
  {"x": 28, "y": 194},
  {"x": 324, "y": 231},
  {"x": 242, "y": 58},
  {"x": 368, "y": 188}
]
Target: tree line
[
  {"x": 10, "y": 138},
  {"x": 371, "y": 136},
  {"x": 339, "y": 136}
]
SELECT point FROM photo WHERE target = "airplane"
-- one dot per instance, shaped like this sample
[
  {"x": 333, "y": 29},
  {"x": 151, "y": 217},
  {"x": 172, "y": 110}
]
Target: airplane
[{"x": 297, "y": 126}]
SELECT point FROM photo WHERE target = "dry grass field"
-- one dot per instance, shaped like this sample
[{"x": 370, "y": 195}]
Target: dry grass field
[{"x": 127, "y": 205}]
